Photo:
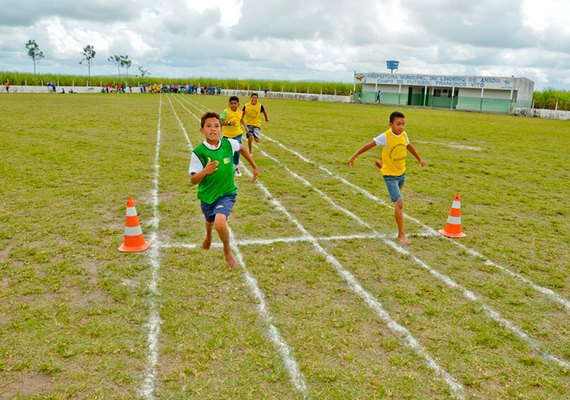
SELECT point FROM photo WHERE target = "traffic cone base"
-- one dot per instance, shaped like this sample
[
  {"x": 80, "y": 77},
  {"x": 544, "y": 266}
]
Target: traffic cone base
[
  {"x": 451, "y": 234},
  {"x": 453, "y": 226},
  {"x": 134, "y": 239},
  {"x": 142, "y": 247}
]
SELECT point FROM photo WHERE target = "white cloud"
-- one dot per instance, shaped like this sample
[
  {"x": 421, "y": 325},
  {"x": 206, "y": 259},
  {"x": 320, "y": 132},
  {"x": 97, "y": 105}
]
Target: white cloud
[{"x": 295, "y": 39}]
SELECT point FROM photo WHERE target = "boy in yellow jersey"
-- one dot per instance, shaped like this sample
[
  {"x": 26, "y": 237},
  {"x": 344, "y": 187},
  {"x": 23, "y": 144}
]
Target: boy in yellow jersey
[
  {"x": 211, "y": 168},
  {"x": 232, "y": 121},
  {"x": 252, "y": 112},
  {"x": 395, "y": 146}
]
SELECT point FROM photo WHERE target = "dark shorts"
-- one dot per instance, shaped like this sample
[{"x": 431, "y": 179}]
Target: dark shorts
[
  {"x": 254, "y": 131},
  {"x": 223, "y": 205},
  {"x": 394, "y": 185}
]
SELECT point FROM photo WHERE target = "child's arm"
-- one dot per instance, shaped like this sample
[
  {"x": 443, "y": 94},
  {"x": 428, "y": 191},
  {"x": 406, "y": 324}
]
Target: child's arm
[
  {"x": 243, "y": 151},
  {"x": 242, "y": 122},
  {"x": 361, "y": 150},
  {"x": 415, "y": 153},
  {"x": 210, "y": 168},
  {"x": 223, "y": 117},
  {"x": 265, "y": 114}
]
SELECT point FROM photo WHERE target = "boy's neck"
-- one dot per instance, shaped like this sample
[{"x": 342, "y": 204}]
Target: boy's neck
[{"x": 214, "y": 143}]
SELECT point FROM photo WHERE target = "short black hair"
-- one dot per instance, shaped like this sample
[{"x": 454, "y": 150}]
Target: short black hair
[
  {"x": 234, "y": 98},
  {"x": 396, "y": 114},
  {"x": 209, "y": 114}
]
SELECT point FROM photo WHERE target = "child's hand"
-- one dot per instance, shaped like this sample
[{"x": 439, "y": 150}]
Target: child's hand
[
  {"x": 422, "y": 162},
  {"x": 254, "y": 175},
  {"x": 211, "y": 167},
  {"x": 351, "y": 161}
]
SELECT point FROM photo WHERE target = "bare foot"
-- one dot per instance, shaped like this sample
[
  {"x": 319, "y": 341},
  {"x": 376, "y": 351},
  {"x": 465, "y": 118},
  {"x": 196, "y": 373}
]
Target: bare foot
[
  {"x": 378, "y": 163},
  {"x": 207, "y": 243},
  {"x": 230, "y": 260},
  {"x": 404, "y": 240}
]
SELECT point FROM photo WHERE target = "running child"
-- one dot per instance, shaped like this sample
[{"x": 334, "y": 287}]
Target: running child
[
  {"x": 232, "y": 120},
  {"x": 252, "y": 111},
  {"x": 212, "y": 169},
  {"x": 395, "y": 147}
]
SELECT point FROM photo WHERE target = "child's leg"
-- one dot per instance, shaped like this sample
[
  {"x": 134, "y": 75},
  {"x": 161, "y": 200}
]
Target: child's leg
[
  {"x": 208, "y": 240},
  {"x": 394, "y": 184},
  {"x": 399, "y": 214},
  {"x": 250, "y": 144},
  {"x": 221, "y": 226},
  {"x": 236, "y": 154}
]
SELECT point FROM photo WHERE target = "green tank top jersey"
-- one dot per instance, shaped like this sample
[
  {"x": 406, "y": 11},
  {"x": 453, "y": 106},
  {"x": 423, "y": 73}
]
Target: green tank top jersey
[{"x": 221, "y": 182}]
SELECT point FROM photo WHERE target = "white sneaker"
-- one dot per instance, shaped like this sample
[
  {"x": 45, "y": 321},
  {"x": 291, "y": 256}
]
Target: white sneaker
[{"x": 237, "y": 172}]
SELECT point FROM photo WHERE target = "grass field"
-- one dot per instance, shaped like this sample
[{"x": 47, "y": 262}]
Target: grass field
[{"x": 325, "y": 304}]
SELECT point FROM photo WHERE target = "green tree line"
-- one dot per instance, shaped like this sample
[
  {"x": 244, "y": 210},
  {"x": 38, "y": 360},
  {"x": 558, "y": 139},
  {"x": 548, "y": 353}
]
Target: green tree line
[
  {"x": 341, "y": 89},
  {"x": 552, "y": 99},
  {"x": 549, "y": 98}
]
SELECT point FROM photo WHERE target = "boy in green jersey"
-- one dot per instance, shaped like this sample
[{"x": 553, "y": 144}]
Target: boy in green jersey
[{"x": 212, "y": 169}]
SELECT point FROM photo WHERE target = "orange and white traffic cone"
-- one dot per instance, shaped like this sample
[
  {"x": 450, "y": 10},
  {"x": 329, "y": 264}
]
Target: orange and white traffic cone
[
  {"x": 453, "y": 226},
  {"x": 134, "y": 239}
]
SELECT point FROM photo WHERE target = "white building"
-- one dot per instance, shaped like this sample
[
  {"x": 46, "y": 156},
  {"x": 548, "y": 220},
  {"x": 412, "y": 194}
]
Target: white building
[{"x": 461, "y": 92}]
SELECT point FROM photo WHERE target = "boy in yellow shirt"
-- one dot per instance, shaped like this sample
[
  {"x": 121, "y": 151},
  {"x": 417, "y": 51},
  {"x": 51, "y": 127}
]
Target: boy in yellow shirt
[
  {"x": 232, "y": 122},
  {"x": 252, "y": 112},
  {"x": 395, "y": 147}
]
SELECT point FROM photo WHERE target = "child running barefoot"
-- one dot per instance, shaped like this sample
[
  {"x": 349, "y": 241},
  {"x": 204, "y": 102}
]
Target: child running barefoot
[
  {"x": 212, "y": 169},
  {"x": 395, "y": 147},
  {"x": 253, "y": 111},
  {"x": 232, "y": 120}
]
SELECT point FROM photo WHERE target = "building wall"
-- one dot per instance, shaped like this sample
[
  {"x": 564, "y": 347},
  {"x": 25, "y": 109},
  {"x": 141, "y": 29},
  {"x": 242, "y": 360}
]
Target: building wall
[
  {"x": 484, "y": 100},
  {"x": 474, "y": 93}
]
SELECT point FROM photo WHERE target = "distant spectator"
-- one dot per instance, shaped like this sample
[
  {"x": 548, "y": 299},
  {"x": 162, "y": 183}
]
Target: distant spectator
[{"x": 7, "y": 86}]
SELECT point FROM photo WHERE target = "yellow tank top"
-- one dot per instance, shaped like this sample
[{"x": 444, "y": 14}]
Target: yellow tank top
[
  {"x": 394, "y": 154},
  {"x": 234, "y": 117},
  {"x": 253, "y": 114}
]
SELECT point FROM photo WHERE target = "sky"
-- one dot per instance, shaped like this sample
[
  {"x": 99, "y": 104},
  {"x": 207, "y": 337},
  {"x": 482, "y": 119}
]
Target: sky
[{"x": 308, "y": 40}]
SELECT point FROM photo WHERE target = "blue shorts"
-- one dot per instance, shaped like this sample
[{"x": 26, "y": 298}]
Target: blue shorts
[
  {"x": 394, "y": 185},
  {"x": 223, "y": 205}
]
